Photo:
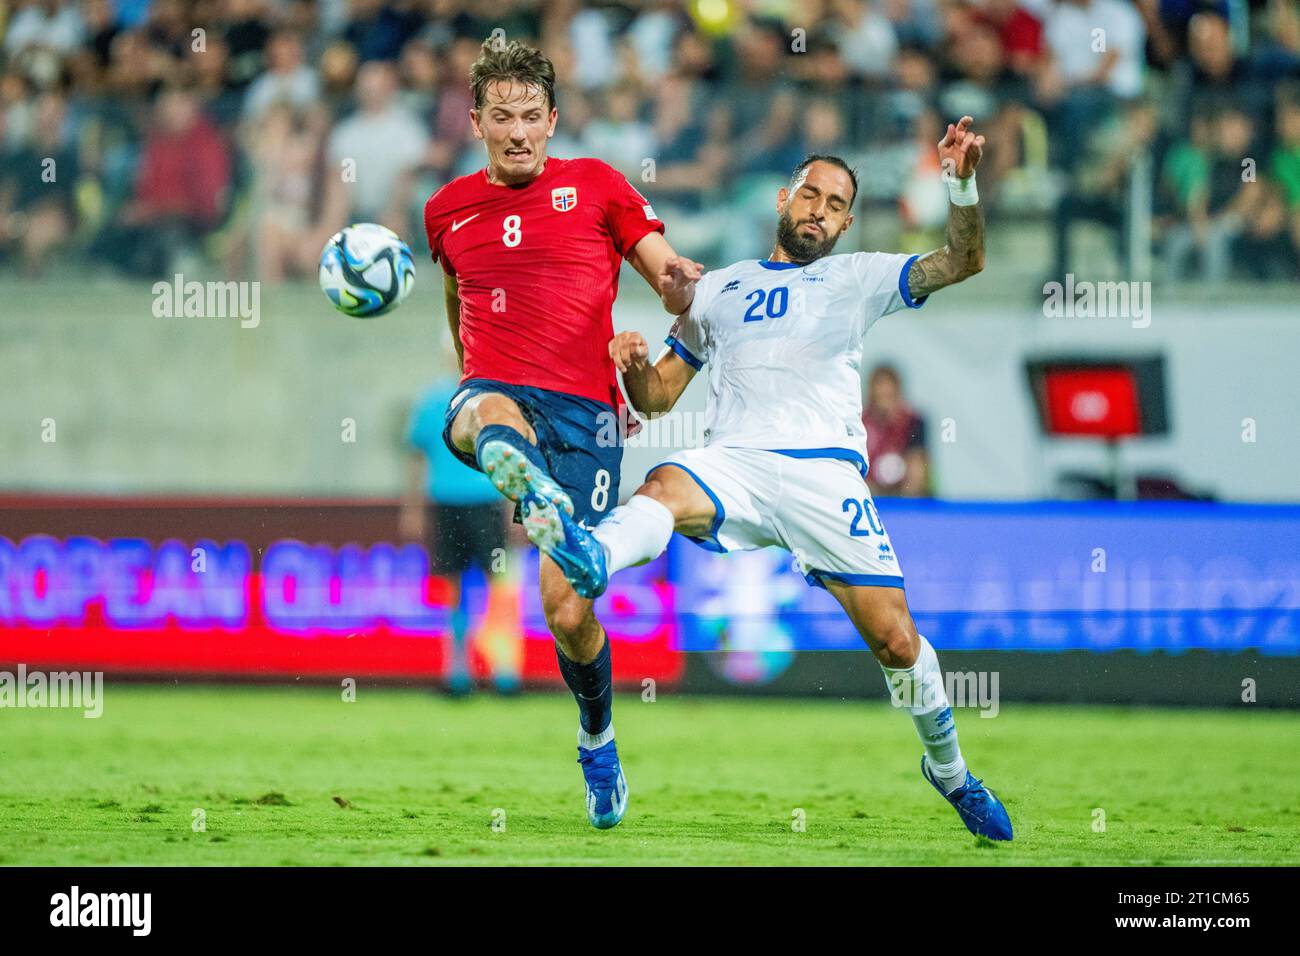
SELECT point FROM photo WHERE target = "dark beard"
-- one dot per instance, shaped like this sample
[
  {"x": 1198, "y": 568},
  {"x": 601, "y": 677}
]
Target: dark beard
[{"x": 801, "y": 249}]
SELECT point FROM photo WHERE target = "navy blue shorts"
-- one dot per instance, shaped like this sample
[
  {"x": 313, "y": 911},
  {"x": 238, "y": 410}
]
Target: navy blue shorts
[{"x": 578, "y": 438}]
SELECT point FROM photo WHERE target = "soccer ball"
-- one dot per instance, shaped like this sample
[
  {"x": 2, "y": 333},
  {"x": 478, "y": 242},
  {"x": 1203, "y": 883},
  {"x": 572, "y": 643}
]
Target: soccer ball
[{"x": 366, "y": 270}]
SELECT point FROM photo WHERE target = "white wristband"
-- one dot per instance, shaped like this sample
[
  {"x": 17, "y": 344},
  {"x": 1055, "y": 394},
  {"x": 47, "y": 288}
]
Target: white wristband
[{"x": 962, "y": 192}]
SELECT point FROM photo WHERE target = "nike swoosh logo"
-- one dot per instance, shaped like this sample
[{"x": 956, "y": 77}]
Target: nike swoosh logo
[{"x": 457, "y": 225}]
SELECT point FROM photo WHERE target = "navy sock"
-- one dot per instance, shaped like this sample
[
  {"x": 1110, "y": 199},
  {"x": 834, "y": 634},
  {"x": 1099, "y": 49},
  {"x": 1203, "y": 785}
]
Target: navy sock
[
  {"x": 512, "y": 438},
  {"x": 593, "y": 688}
]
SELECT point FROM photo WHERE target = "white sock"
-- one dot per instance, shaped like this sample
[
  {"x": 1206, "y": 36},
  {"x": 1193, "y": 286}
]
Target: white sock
[
  {"x": 919, "y": 690},
  {"x": 635, "y": 533},
  {"x": 592, "y": 741}
]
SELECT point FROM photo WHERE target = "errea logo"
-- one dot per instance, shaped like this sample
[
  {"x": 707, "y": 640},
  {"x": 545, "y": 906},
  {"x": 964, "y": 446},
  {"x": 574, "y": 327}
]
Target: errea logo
[{"x": 103, "y": 909}]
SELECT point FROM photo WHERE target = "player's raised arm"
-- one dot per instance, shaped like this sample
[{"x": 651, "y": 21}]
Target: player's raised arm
[
  {"x": 963, "y": 255},
  {"x": 652, "y": 388},
  {"x": 451, "y": 298},
  {"x": 673, "y": 277}
]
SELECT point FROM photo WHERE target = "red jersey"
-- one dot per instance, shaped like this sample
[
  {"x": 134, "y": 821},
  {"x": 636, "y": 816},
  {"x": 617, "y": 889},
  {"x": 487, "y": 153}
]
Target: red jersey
[{"x": 537, "y": 270}]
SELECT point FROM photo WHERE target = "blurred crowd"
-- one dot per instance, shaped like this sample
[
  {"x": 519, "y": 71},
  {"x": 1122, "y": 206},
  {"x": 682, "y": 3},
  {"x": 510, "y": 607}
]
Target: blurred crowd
[{"x": 144, "y": 135}]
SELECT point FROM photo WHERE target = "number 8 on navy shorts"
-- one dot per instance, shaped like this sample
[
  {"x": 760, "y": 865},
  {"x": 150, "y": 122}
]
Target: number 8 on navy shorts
[{"x": 578, "y": 438}]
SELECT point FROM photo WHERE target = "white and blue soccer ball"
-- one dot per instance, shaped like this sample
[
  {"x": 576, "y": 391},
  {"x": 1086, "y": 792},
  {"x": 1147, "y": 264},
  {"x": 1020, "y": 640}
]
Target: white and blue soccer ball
[{"x": 366, "y": 270}]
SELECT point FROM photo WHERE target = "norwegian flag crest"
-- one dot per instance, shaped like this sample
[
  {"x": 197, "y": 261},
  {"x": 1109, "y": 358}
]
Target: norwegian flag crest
[{"x": 564, "y": 198}]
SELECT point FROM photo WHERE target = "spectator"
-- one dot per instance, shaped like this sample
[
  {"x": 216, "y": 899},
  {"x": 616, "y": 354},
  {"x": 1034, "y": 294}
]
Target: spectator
[
  {"x": 38, "y": 188},
  {"x": 923, "y": 198},
  {"x": 570, "y": 129},
  {"x": 763, "y": 105},
  {"x": 419, "y": 70},
  {"x": 209, "y": 67},
  {"x": 867, "y": 40},
  {"x": 1263, "y": 250},
  {"x": 287, "y": 77},
  {"x": 866, "y": 81},
  {"x": 180, "y": 189},
  {"x": 915, "y": 22},
  {"x": 101, "y": 27},
  {"x": 694, "y": 56},
  {"x": 379, "y": 30},
  {"x": 689, "y": 158},
  {"x": 591, "y": 37},
  {"x": 51, "y": 25},
  {"x": 338, "y": 75},
  {"x": 168, "y": 28},
  {"x": 620, "y": 137},
  {"x": 1285, "y": 163},
  {"x": 374, "y": 153},
  {"x": 981, "y": 84},
  {"x": 289, "y": 227},
  {"x": 821, "y": 130},
  {"x": 1100, "y": 193},
  {"x": 1167, "y": 23},
  {"x": 1020, "y": 34},
  {"x": 1098, "y": 45},
  {"x": 452, "y": 135},
  {"x": 1219, "y": 202},
  {"x": 899, "y": 462},
  {"x": 244, "y": 23},
  {"x": 652, "y": 33},
  {"x": 1096, "y": 55},
  {"x": 823, "y": 73},
  {"x": 1214, "y": 73}
]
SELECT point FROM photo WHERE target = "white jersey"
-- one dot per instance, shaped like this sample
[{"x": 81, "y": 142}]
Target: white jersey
[{"x": 783, "y": 343}]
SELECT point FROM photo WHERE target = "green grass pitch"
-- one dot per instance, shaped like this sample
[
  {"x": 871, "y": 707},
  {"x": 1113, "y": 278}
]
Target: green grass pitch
[{"x": 297, "y": 776}]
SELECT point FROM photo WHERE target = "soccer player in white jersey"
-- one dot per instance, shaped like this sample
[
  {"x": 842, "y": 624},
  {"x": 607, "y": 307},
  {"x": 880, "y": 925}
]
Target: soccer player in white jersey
[{"x": 785, "y": 460}]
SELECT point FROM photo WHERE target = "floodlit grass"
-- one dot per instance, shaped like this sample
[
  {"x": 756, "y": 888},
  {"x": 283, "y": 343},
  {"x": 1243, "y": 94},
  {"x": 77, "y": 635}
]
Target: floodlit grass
[{"x": 297, "y": 776}]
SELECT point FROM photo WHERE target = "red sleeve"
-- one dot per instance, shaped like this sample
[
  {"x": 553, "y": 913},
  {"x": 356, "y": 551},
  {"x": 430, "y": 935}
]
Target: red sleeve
[
  {"x": 628, "y": 213},
  {"x": 435, "y": 224}
]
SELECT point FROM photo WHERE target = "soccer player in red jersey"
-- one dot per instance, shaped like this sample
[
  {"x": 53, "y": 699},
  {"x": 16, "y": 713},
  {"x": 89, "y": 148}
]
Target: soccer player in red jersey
[{"x": 531, "y": 248}]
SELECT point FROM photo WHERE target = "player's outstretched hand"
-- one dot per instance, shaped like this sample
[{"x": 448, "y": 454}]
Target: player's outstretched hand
[
  {"x": 677, "y": 275},
  {"x": 960, "y": 149},
  {"x": 629, "y": 350}
]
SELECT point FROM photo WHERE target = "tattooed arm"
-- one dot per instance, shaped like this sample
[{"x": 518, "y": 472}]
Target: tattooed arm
[
  {"x": 963, "y": 254},
  {"x": 960, "y": 258}
]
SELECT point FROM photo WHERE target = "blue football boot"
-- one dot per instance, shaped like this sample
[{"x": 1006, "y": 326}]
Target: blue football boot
[
  {"x": 606, "y": 786},
  {"x": 981, "y": 811},
  {"x": 516, "y": 477},
  {"x": 579, "y": 555}
]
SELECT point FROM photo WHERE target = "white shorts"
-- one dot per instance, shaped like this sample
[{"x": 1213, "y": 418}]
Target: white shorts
[{"x": 816, "y": 507}]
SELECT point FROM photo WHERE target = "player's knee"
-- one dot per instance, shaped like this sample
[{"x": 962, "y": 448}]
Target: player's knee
[
  {"x": 660, "y": 492},
  {"x": 897, "y": 643},
  {"x": 569, "y": 619},
  {"x": 484, "y": 410},
  {"x": 500, "y": 410},
  {"x": 692, "y": 511}
]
